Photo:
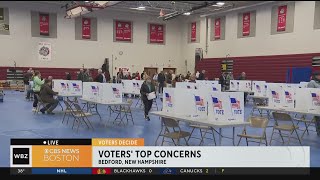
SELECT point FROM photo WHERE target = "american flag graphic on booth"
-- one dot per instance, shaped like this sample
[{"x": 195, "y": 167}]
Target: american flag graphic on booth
[
  {"x": 275, "y": 95},
  {"x": 258, "y": 88},
  {"x": 63, "y": 85},
  {"x": 188, "y": 87},
  {"x": 115, "y": 91},
  {"x": 199, "y": 101},
  {"x": 216, "y": 103},
  {"x": 288, "y": 95},
  {"x": 168, "y": 97},
  {"x": 134, "y": 84},
  {"x": 214, "y": 89},
  {"x": 232, "y": 84},
  {"x": 235, "y": 104},
  {"x": 94, "y": 89},
  {"x": 315, "y": 98},
  {"x": 75, "y": 86}
]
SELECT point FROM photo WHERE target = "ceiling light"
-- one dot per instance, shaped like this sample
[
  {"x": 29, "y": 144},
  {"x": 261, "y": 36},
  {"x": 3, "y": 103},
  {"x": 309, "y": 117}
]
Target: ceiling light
[
  {"x": 187, "y": 13},
  {"x": 220, "y": 3},
  {"x": 141, "y": 7}
]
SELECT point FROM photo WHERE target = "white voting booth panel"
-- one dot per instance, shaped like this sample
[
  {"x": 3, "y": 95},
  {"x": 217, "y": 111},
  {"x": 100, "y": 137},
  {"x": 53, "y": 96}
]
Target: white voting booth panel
[
  {"x": 234, "y": 85},
  {"x": 190, "y": 103},
  {"x": 288, "y": 97},
  {"x": 168, "y": 100},
  {"x": 187, "y": 85},
  {"x": 91, "y": 91},
  {"x": 206, "y": 82},
  {"x": 136, "y": 84},
  {"x": 210, "y": 87},
  {"x": 303, "y": 84},
  {"x": 313, "y": 100},
  {"x": 240, "y": 85},
  {"x": 275, "y": 95},
  {"x": 75, "y": 88},
  {"x": 226, "y": 106},
  {"x": 302, "y": 100},
  {"x": 259, "y": 88},
  {"x": 131, "y": 86},
  {"x": 110, "y": 93}
]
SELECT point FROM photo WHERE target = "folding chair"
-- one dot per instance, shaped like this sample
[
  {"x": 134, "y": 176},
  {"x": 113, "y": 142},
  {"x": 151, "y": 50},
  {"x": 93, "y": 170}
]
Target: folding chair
[
  {"x": 307, "y": 123},
  {"x": 173, "y": 131},
  {"x": 40, "y": 105},
  {"x": 286, "y": 126},
  {"x": 126, "y": 111},
  {"x": 80, "y": 116},
  {"x": 204, "y": 130},
  {"x": 256, "y": 123}
]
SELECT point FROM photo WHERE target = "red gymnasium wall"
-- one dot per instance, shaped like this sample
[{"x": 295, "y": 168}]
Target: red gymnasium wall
[
  {"x": 267, "y": 68},
  {"x": 56, "y": 73}
]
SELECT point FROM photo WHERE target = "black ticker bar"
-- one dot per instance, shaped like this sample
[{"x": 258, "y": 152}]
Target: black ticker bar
[{"x": 51, "y": 142}]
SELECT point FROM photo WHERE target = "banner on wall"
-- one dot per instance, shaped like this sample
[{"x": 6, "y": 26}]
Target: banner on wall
[
  {"x": 1, "y": 14},
  {"x": 44, "y": 51},
  {"x": 193, "y": 32},
  {"x": 282, "y": 18},
  {"x": 123, "y": 31},
  {"x": 156, "y": 33},
  {"x": 86, "y": 28},
  {"x": 44, "y": 24},
  {"x": 217, "y": 28},
  {"x": 246, "y": 24}
]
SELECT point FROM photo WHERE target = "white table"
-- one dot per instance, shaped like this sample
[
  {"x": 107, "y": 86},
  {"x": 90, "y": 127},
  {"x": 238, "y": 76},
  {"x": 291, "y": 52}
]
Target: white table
[
  {"x": 204, "y": 122},
  {"x": 109, "y": 104}
]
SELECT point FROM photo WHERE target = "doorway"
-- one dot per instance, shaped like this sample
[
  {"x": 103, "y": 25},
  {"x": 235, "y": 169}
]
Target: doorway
[
  {"x": 168, "y": 69},
  {"x": 151, "y": 71}
]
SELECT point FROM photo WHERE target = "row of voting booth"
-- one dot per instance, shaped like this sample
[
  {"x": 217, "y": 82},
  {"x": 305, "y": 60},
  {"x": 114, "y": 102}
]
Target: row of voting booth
[
  {"x": 211, "y": 85},
  {"x": 204, "y": 104},
  {"x": 131, "y": 86}
]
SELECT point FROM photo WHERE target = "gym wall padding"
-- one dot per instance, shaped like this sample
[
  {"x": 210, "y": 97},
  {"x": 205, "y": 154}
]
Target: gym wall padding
[
  {"x": 316, "y": 24},
  {"x": 5, "y": 21},
  {"x": 289, "y": 18},
  {"x": 78, "y": 29},
  {"x": 266, "y": 68},
  {"x": 252, "y": 25},
  {"x": 35, "y": 27},
  {"x": 222, "y": 28}
]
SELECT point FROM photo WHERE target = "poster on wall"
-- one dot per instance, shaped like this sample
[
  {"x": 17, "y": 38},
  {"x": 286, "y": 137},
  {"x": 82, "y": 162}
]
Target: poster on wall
[
  {"x": 44, "y": 51},
  {"x": 217, "y": 28},
  {"x": 282, "y": 18},
  {"x": 193, "y": 32},
  {"x": 86, "y": 28},
  {"x": 123, "y": 31},
  {"x": 1, "y": 14},
  {"x": 246, "y": 24},
  {"x": 44, "y": 24},
  {"x": 156, "y": 33}
]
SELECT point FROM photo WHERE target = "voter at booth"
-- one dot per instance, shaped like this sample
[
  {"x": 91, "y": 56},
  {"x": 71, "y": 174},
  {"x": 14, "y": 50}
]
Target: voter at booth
[
  {"x": 147, "y": 92},
  {"x": 315, "y": 83},
  {"x": 46, "y": 95}
]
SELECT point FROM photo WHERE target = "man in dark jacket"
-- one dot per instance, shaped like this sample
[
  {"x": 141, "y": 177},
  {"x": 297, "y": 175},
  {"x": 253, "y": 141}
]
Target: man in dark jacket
[
  {"x": 169, "y": 79},
  {"x": 201, "y": 75},
  {"x": 81, "y": 75},
  {"x": 100, "y": 77},
  {"x": 68, "y": 76},
  {"x": 242, "y": 76},
  {"x": 222, "y": 81},
  {"x": 46, "y": 95},
  {"x": 161, "y": 79},
  {"x": 146, "y": 88}
]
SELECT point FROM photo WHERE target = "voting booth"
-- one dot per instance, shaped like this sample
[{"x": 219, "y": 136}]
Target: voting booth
[
  {"x": 187, "y": 85},
  {"x": 259, "y": 88},
  {"x": 210, "y": 87},
  {"x": 288, "y": 97},
  {"x": 206, "y": 82},
  {"x": 240, "y": 85},
  {"x": 168, "y": 100},
  {"x": 303, "y": 84},
  {"x": 131, "y": 86},
  {"x": 110, "y": 93},
  {"x": 226, "y": 106},
  {"x": 67, "y": 87},
  {"x": 275, "y": 95},
  {"x": 91, "y": 91}
]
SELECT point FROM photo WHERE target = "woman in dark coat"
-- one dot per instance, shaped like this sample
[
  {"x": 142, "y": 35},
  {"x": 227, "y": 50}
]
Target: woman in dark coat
[{"x": 146, "y": 88}]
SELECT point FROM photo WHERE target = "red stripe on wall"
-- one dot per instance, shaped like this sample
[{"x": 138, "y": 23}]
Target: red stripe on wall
[{"x": 268, "y": 68}]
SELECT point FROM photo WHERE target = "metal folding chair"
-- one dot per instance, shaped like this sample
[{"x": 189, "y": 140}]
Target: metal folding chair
[
  {"x": 287, "y": 125},
  {"x": 307, "y": 123},
  {"x": 258, "y": 102},
  {"x": 173, "y": 131},
  {"x": 256, "y": 123},
  {"x": 204, "y": 130},
  {"x": 80, "y": 117}
]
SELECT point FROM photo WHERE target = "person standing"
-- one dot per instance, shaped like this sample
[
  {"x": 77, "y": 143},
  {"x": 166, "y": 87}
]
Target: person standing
[
  {"x": 105, "y": 66},
  {"x": 81, "y": 75},
  {"x": 169, "y": 79},
  {"x": 46, "y": 95},
  {"x": 142, "y": 75},
  {"x": 68, "y": 76},
  {"x": 26, "y": 78},
  {"x": 222, "y": 81},
  {"x": 202, "y": 75},
  {"x": 37, "y": 83},
  {"x": 161, "y": 79},
  {"x": 197, "y": 74},
  {"x": 315, "y": 83},
  {"x": 243, "y": 77},
  {"x": 146, "y": 88},
  {"x": 100, "y": 77}
]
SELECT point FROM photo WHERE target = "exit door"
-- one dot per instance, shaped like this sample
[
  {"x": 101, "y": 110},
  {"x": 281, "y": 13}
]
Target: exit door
[{"x": 151, "y": 71}]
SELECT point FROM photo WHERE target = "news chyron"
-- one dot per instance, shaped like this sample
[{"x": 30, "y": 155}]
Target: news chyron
[{"x": 129, "y": 156}]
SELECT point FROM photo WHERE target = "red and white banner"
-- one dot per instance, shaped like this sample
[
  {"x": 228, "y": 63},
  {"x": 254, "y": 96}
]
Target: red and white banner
[
  {"x": 282, "y": 18},
  {"x": 156, "y": 33},
  {"x": 86, "y": 28},
  {"x": 193, "y": 32},
  {"x": 123, "y": 31},
  {"x": 246, "y": 24},
  {"x": 44, "y": 24},
  {"x": 217, "y": 28}
]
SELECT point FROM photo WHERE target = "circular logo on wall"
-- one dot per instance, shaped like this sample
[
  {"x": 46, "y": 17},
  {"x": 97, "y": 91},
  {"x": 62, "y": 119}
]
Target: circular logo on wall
[
  {"x": 86, "y": 22},
  {"x": 217, "y": 23},
  {"x": 281, "y": 11},
  {"x": 44, "y": 51},
  {"x": 246, "y": 17},
  {"x": 159, "y": 28}
]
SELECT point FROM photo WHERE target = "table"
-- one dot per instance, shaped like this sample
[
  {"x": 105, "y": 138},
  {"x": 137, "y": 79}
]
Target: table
[
  {"x": 118, "y": 112},
  {"x": 204, "y": 122},
  {"x": 296, "y": 111}
]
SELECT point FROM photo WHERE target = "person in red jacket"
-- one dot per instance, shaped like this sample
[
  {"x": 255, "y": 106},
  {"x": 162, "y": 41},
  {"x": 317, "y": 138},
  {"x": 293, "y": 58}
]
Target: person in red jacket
[{"x": 137, "y": 76}]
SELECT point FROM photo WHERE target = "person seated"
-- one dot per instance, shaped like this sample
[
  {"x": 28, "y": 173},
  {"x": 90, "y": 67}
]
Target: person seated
[{"x": 46, "y": 95}]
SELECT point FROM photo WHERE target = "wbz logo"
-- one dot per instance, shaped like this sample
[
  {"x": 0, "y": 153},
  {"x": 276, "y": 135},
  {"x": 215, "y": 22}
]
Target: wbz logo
[{"x": 20, "y": 156}]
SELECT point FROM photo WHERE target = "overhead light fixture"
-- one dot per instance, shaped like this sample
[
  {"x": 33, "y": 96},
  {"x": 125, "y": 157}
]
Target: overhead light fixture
[
  {"x": 187, "y": 13},
  {"x": 220, "y": 3},
  {"x": 141, "y": 7}
]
